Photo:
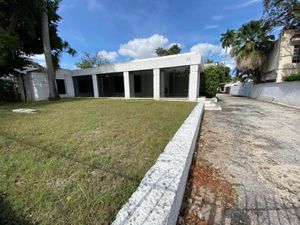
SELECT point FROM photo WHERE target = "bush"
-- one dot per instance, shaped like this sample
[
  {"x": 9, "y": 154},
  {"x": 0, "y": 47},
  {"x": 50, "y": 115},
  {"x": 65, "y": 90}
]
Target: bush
[
  {"x": 292, "y": 77},
  {"x": 211, "y": 81},
  {"x": 7, "y": 90}
]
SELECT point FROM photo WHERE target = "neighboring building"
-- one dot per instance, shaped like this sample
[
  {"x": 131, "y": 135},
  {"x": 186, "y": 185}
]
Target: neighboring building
[
  {"x": 160, "y": 77},
  {"x": 284, "y": 59},
  {"x": 32, "y": 84}
]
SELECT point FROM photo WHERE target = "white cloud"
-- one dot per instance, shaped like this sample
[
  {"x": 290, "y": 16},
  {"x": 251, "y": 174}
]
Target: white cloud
[
  {"x": 110, "y": 56},
  {"x": 94, "y": 5},
  {"x": 206, "y": 49},
  {"x": 245, "y": 4},
  {"x": 231, "y": 63},
  {"x": 40, "y": 59},
  {"x": 211, "y": 26},
  {"x": 217, "y": 17},
  {"x": 143, "y": 47}
]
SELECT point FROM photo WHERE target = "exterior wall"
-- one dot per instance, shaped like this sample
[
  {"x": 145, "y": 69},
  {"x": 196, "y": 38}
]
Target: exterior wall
[
  {"x": 285, "y": 65},
  {"x": 40, "y": 86},
  {"x": 145, "y": 64},
  {"x": 152, "y": 86},
  {"x": 37, "y": 88},
  {"x": 287, "y": 93},
  {"x": 194, "y": 82},
  {"x": 279, "y": 63},
  {"x": 241, "y": 89},
  {"x": 271, "y": 65}
]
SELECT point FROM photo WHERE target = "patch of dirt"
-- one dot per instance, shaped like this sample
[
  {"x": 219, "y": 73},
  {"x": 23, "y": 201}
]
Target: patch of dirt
[{"x": 208, "y": 196}]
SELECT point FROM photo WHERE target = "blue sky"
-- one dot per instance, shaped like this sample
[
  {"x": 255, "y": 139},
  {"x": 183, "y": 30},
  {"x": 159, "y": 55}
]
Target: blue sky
[{"x": 128, "y": 29}]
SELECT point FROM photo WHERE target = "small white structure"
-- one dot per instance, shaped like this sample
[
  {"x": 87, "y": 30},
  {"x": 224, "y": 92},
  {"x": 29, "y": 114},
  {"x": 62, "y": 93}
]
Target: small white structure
[{"x": 175, "y": 76}]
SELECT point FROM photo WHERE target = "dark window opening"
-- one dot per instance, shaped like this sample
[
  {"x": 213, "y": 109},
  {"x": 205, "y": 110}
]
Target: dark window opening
[
  {"x": 83, "y": 86},
  {"x": 175, "y": 81},
  {"x": 111, "y": 85},
  {"x": 137, "y": 84},
  {"x": 60, "y": 83},
  {"x": 296, "y": 55},
  {"x": 141, "y": 83}
]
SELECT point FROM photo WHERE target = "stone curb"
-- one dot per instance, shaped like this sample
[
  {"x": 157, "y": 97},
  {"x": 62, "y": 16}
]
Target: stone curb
[{"x": 158, "y": 198}]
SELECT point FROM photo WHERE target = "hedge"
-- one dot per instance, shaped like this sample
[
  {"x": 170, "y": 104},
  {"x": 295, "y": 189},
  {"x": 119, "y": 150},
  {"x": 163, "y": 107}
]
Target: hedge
[
  {"x": 7, "y": 90},
  {"x": 292, "y": 77}
]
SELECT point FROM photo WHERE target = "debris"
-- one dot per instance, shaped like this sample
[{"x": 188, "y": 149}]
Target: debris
[{"x": 24, "y": 110}]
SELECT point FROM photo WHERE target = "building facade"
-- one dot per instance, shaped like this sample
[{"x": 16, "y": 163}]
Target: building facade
[
  {"x": 284, "y": 58},
  {"x": 175, "y": 76}
]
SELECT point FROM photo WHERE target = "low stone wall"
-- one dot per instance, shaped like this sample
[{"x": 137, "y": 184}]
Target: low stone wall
[
  {"x": 158, "y": 198},
  {"x": 287, "y": 93}
]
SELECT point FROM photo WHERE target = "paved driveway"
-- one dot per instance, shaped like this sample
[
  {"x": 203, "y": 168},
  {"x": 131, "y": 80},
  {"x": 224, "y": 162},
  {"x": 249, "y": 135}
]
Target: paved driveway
[{"x": 256, "y": 147}]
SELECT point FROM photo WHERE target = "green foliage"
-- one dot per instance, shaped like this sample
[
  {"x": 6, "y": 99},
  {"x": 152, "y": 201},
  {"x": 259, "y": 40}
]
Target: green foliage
[
  {"x": 214, "y": 75},
  {"x": 89, "y": 61},
  {"x": 7, "y": 92},
  {"x": 283, "y": 13},
  {"x": 250, "y": 47},
  {"x": 292, "y": 77},
  {"x": 173, "y": 50},
  {"x": 209, "y": 61},
  {"x": 21, "y": 33},
  {"x": 228, "y": 38}
]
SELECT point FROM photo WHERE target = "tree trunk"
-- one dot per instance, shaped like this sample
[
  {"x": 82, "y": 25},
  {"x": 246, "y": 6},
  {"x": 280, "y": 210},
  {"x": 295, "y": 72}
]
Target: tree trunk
[
  {"x": 53, "y": 94},
  {"x": 13, "y": 19},
  {"x": 225, "y": 61}
]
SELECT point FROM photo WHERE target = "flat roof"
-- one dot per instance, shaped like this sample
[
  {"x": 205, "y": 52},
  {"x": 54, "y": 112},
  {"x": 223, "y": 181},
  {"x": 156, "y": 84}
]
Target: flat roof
[{"x": 185, "y": 59}]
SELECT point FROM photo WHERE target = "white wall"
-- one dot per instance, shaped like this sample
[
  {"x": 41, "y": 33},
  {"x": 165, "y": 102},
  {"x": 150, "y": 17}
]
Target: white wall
[
  {"x": 186, "y": 59},
  {"x": 287, "y": 93}
]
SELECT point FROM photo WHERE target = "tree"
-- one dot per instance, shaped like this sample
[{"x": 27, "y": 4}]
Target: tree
[
  {"x": 53, "y": 94},
  {"x": 213, "y": 76},
  {"x": 251, "y": 46},
  {"x": 227, "y": 40},
  {"x": 208, "y": 61},
  {"x": 89, "y": 61},
  {"x": 173, "y": 50},
  {"x": 22, "y": 31},
  {"x": 282, "y": 13}
]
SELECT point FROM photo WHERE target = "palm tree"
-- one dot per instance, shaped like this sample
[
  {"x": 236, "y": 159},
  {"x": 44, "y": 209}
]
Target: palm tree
[
  {"x": 53, "y": 94},
  {"x": 252, "y": 44},
  {"x": 227, "y": 40}
]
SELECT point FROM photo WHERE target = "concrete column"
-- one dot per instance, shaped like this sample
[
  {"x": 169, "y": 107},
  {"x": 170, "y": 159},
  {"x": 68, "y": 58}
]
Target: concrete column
[
  {"x": 156, "y": 84},
  {"x": 126, "y": 84},
  {"x": 95, "y": 86},
  {"x": 194, "y": 81},
  {"x": 69, "y": 86},
  {"x": 162, "y": 84}
]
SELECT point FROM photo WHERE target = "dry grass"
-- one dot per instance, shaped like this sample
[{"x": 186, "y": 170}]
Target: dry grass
[{"x": 78, "y": 161}]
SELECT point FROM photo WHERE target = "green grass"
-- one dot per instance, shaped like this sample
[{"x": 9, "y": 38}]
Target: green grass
[{"x": 78, "y": 161}]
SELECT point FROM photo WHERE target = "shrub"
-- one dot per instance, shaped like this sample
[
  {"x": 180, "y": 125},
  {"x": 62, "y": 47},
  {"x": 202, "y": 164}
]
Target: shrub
[
  {"x": 292, "y": 77},
  {"x": 7, "y": 90},
  {"x": 211, "y": 81}
]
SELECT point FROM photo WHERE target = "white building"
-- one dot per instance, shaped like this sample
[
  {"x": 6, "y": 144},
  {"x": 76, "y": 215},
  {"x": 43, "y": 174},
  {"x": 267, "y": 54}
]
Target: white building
[{"x": 176, "y": 76}]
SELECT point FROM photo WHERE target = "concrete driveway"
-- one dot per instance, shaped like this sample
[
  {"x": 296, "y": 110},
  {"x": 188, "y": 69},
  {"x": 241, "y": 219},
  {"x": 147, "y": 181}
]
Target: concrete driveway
[{"x": 255, "y": 146}]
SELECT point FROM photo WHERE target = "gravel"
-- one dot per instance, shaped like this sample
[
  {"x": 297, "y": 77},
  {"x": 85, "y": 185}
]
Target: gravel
[{"x": 256, "y": 146}]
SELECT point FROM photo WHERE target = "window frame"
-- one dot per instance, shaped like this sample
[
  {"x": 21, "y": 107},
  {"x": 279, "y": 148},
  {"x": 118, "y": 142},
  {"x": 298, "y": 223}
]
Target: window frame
[{"x": 296, "y": 54}]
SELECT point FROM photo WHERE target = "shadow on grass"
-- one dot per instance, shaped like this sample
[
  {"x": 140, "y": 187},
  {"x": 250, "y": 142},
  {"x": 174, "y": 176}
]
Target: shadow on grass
[{"x": 8, "y": 216}]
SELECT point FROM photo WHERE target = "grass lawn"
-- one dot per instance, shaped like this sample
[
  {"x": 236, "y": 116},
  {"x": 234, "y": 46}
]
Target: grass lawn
[{"x": 78, "y": 161}]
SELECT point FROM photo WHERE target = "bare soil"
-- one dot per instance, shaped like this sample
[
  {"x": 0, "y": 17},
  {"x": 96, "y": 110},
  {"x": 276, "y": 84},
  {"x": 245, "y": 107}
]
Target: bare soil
[{"x": 246, "y": 169}]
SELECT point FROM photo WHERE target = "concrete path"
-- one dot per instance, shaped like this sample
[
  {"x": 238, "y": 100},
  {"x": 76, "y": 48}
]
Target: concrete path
[{"x": 256, "y": 146}]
